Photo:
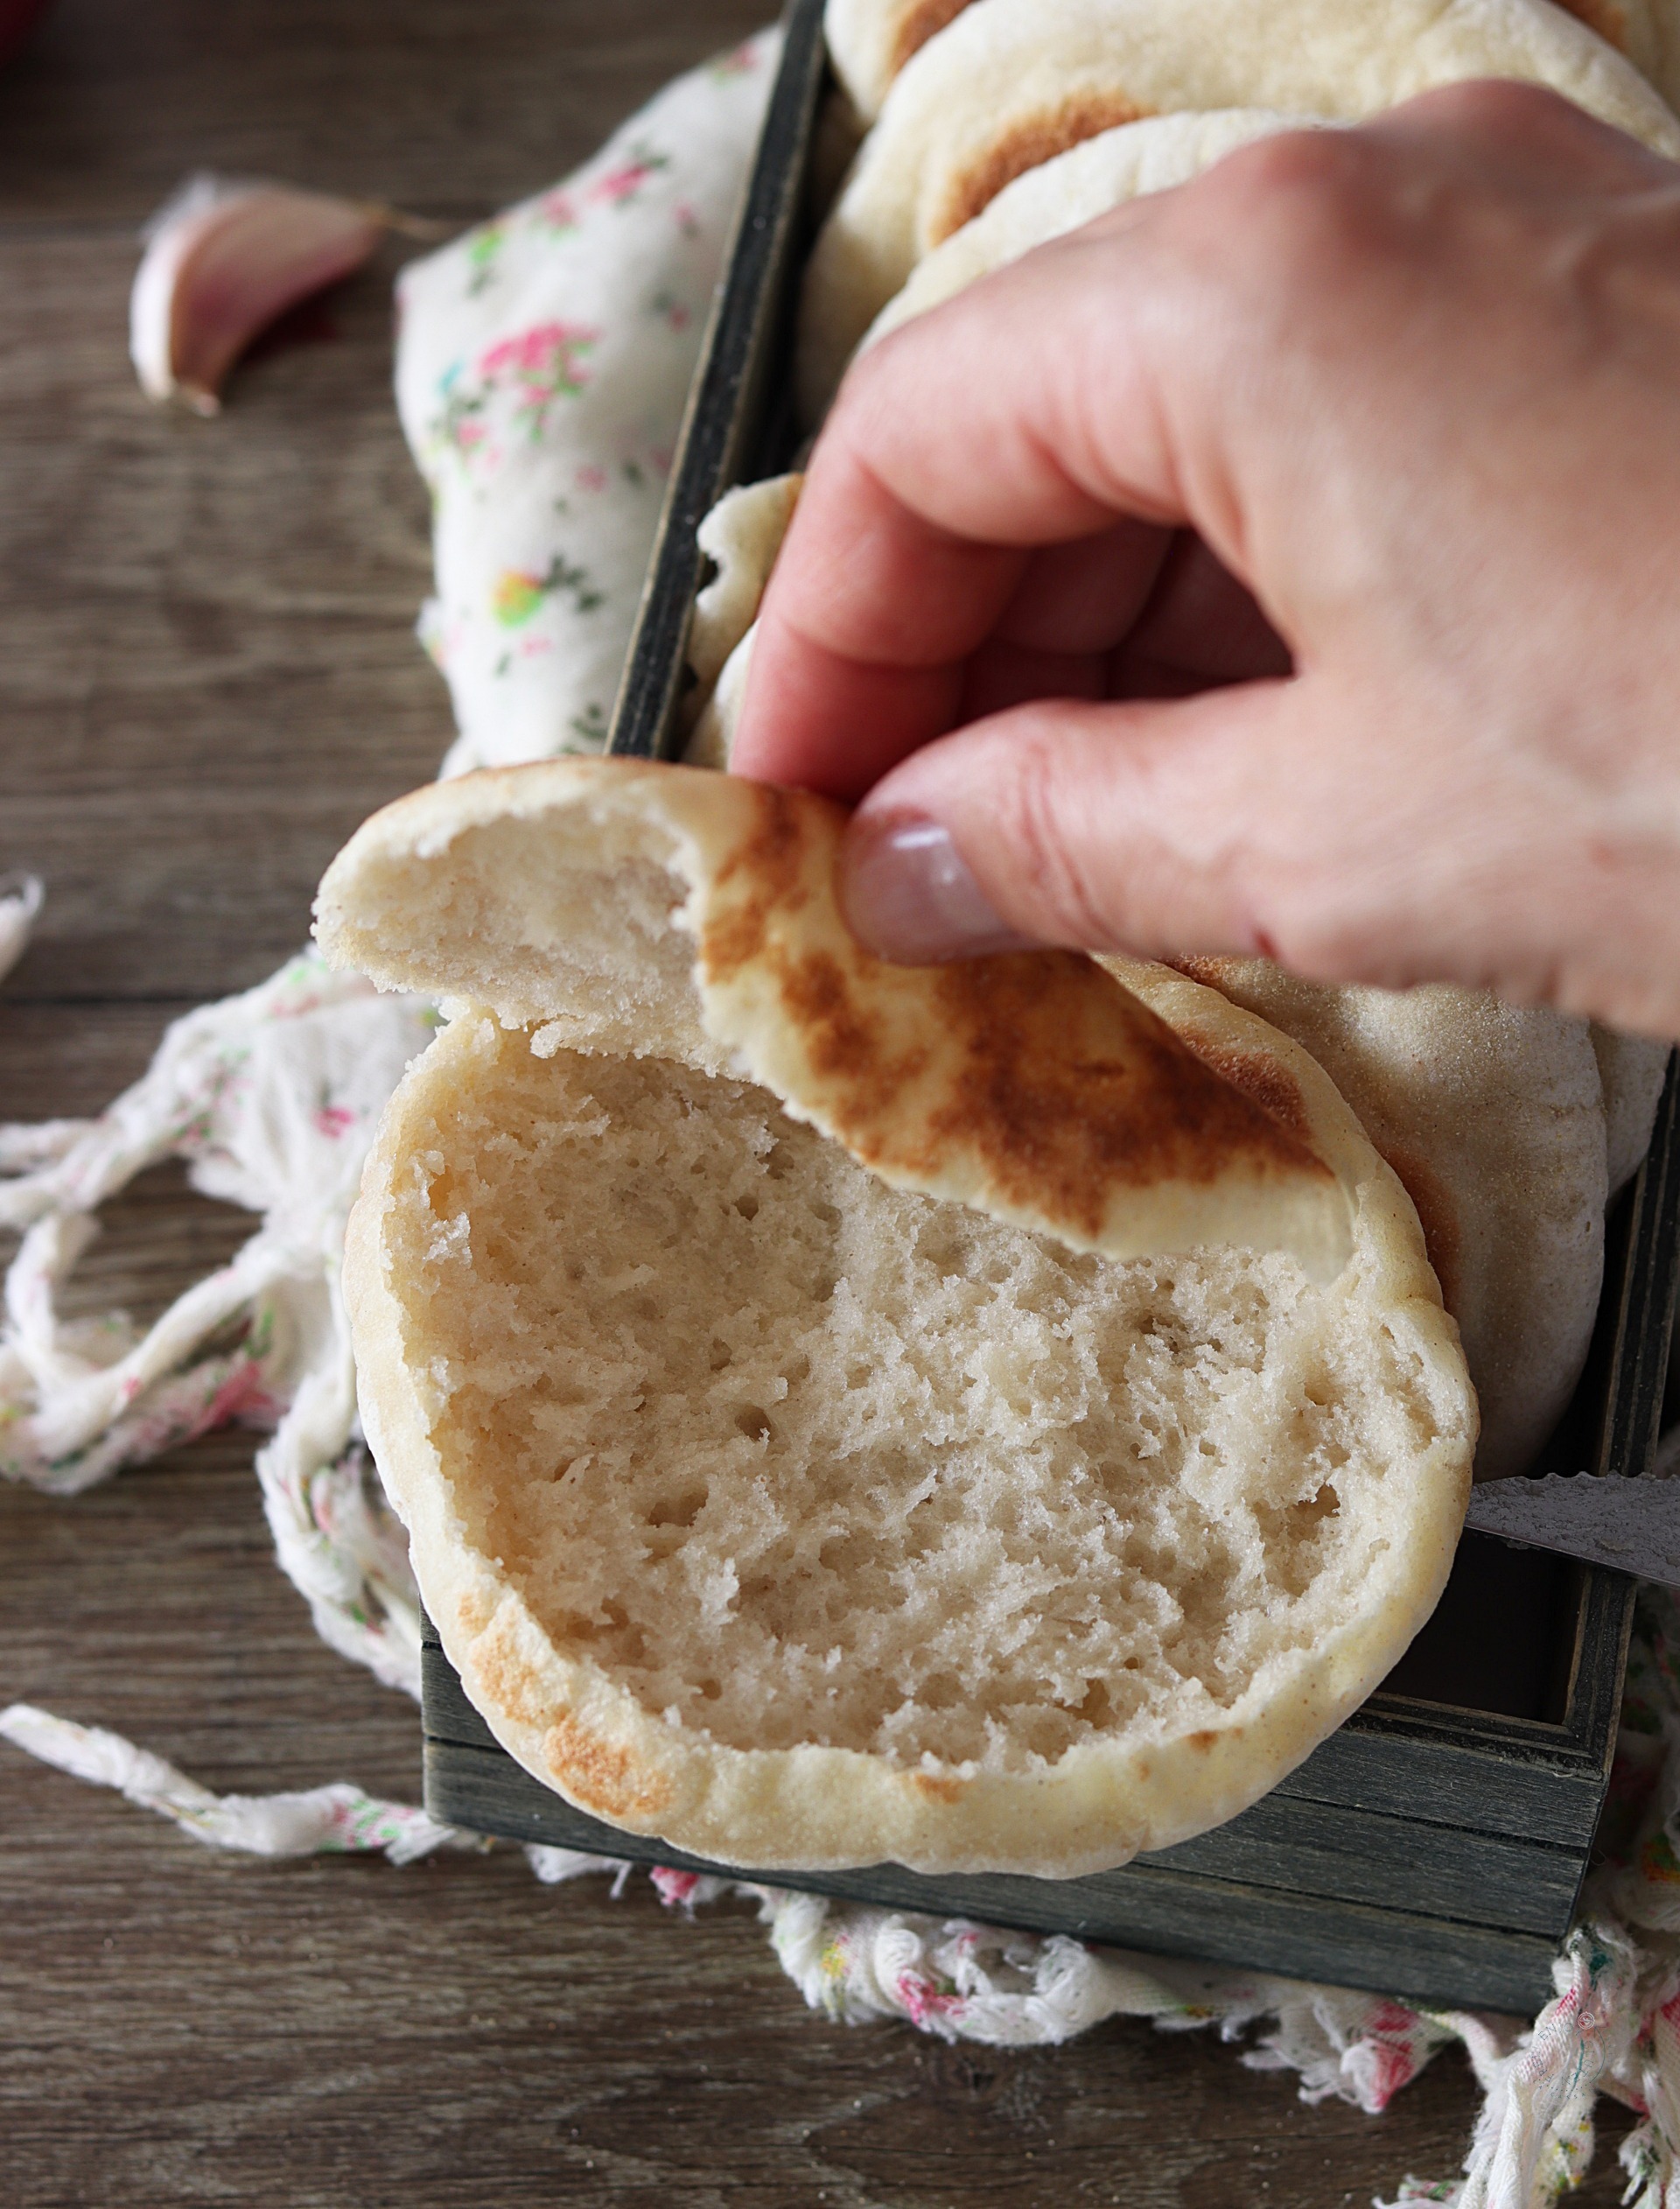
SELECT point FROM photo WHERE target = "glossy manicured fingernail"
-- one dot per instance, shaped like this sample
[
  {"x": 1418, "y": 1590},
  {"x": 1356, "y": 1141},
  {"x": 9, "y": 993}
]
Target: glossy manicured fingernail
[{"x": 909, "y": 896}]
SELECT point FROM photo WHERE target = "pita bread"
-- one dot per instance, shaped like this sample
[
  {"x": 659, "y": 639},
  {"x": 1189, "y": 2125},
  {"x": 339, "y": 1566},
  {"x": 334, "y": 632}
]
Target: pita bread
[
  {"x": 871, "y": 40},
  {"x": 741, "y": 536},
  {"x": 1492, "y": 1117},
  {"x": 1034, "y": 1087},
  {"x": 1633, "y": 1069},
  {"x": 1648, "y": 32},
  {"x": 1072, "y": 190},
  {"x": 1011, "y": 83},
  {"x": 803, "y": 1520},
  {"x": 1509, "y": 1127}
]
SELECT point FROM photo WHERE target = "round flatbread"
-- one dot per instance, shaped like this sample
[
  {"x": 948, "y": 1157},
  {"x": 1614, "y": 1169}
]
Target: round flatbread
[
  {"x": 1065, "y": 193},
  {"x": 1011, "y": 83},
  {"x": 871, "y": 40},
  {"x": 803, "y": 1520},
  {"x": 1493, "y": 1116},
  {"x": 1510, "y": 1128}
]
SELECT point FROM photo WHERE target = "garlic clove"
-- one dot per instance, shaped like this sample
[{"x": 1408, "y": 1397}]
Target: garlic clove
[{"x": 222, "y": 261}]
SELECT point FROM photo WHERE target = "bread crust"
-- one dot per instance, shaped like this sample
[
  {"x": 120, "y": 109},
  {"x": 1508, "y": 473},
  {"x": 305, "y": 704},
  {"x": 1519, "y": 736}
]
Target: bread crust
[
  {"x": 584, "y": 1734},
  {"x": 1011, "y": 82},
  {"x": 1166, "y": 1770}
]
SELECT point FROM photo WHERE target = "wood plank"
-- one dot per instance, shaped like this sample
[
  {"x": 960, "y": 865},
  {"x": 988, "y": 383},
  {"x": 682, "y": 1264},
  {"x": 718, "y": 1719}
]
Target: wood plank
[
  {"x": 1301, "y": 1847},
  {"x": 1431, "y": 1959},
  {"x": 451, "y": 104},
  {"x": 217, "y": 614}
]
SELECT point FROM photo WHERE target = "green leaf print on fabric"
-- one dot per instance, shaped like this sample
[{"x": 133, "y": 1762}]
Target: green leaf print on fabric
[
  {"x": 518, "y": 594},
  {"x": 483, "y": 251},
  {"x": 590, "y": 726}
]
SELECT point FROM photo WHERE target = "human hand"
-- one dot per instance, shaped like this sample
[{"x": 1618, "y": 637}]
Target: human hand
[{"x": 1287, "y": 563}]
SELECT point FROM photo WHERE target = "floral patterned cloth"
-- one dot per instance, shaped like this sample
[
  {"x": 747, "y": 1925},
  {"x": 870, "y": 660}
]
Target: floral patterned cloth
[{"x": 543, "y": 367}]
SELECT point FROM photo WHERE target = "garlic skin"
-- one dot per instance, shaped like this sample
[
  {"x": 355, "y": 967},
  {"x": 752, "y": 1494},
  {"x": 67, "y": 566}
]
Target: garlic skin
[{"x": 222, "y": 261}]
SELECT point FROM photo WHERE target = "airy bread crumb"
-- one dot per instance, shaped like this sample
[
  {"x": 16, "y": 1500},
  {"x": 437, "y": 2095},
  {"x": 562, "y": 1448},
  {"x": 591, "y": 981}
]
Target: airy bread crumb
[{"x": 795, "y": 1457}]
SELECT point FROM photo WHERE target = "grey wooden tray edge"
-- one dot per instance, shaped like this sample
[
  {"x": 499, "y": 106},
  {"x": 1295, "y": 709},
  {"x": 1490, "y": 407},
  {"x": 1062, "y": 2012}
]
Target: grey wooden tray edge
[{"x": 1431, "y": 1958}]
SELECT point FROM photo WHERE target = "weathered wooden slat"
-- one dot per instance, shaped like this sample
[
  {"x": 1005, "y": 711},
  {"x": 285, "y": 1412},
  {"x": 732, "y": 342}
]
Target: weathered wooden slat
[
  {"x": 1430, "y": 1959},
  {"x": 1288, "y": 1845}
]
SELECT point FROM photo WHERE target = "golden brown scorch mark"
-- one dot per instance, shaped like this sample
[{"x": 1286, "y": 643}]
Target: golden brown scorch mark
[
  {"x": 1260, "y": 1076},
  {"x": 773, "y": 858},
  {"x": 1039, "y": 1068},
  {"x": 922, "y": 20},
  {"x": 1027, "y": 145},
  {"x": 938, "y": 1788},
  {"x": 1605, "y": 17},
  {"x": 1069, "y": 1085},
  {"x": 599, "y": 1775},
  {"x": 1438, "y": 1215}
]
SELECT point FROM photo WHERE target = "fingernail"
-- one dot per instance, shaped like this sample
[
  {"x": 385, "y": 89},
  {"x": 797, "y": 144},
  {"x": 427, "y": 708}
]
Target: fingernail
[{"x": 909, "y": 896}]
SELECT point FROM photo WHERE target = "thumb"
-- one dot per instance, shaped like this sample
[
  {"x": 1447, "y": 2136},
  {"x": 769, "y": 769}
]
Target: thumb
[{"x": 1155, "y": 828}]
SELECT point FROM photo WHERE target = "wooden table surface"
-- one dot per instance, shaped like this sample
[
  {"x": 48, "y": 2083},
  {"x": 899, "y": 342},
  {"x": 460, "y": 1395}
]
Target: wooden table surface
[{"x": 207, "y": 676}]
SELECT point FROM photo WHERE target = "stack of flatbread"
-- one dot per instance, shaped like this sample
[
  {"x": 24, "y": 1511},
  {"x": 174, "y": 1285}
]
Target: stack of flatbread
[
  {"x": 998, "y": 125},
  {"x": 999, "y": 1417}
]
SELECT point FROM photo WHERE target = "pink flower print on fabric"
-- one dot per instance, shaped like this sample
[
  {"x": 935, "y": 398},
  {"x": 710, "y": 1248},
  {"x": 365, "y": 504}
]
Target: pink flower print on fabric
[
  {"x": 557, "y": 212},
  {"x": 621, "y": 187},
  {"x": 743, "y": 62},
  {"x": 925, "y": 2001},
  {"x": 674, "y": 1887},
  {"x": 541, "y": 364}
]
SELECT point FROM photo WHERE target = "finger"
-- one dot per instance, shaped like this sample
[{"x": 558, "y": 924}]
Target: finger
[
  {"x": 1117, "y": 826},
  {"x": 1086, "y": 596},
  {"x": 1001, "y": 675},
  {"x": 1201, "y": 628},
  {"x": 927, "y": 487},
  {"x": 1233, "y": 823}
]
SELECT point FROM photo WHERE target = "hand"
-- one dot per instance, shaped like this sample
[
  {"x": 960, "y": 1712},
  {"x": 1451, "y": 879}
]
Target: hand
[{"x": 1287, "y": 563}]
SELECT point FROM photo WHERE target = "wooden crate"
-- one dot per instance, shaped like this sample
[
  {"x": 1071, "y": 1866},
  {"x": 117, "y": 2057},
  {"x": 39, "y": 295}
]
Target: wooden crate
[{"x": 1435, "y": 1845}]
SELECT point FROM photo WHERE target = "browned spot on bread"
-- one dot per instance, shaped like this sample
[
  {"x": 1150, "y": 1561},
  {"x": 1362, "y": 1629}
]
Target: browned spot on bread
[
  {"x": 1055, "y": 1078},
  {"x": 771, "y": 858},
  {"x": 940, "y": 1790},
  {"x": 1602, "y": 16},
  {"x": 1437, "y": 1213},
  {"x": 1203, "y": 1740},
  {"x": 844, "y": 1040},
  {"x": 1027, "y": 145},
  {"x": 1069, "y": 1085},
  {"x": 1273, "y": 1088},
  {"x": 917, "y": 23},
  {"x": 1208, "y": 972},
  {"x": 599, "y": 1775},
  {"x": 499, "y": 1679},
  {"x": 473, "y": 1612}
]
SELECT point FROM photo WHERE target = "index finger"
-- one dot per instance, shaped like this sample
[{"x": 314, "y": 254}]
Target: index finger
[{"x": 927, "y": 492}]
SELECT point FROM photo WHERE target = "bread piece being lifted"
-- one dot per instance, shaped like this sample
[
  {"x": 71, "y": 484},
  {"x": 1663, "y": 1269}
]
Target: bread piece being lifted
[{"x": 790, "y": 1510}]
